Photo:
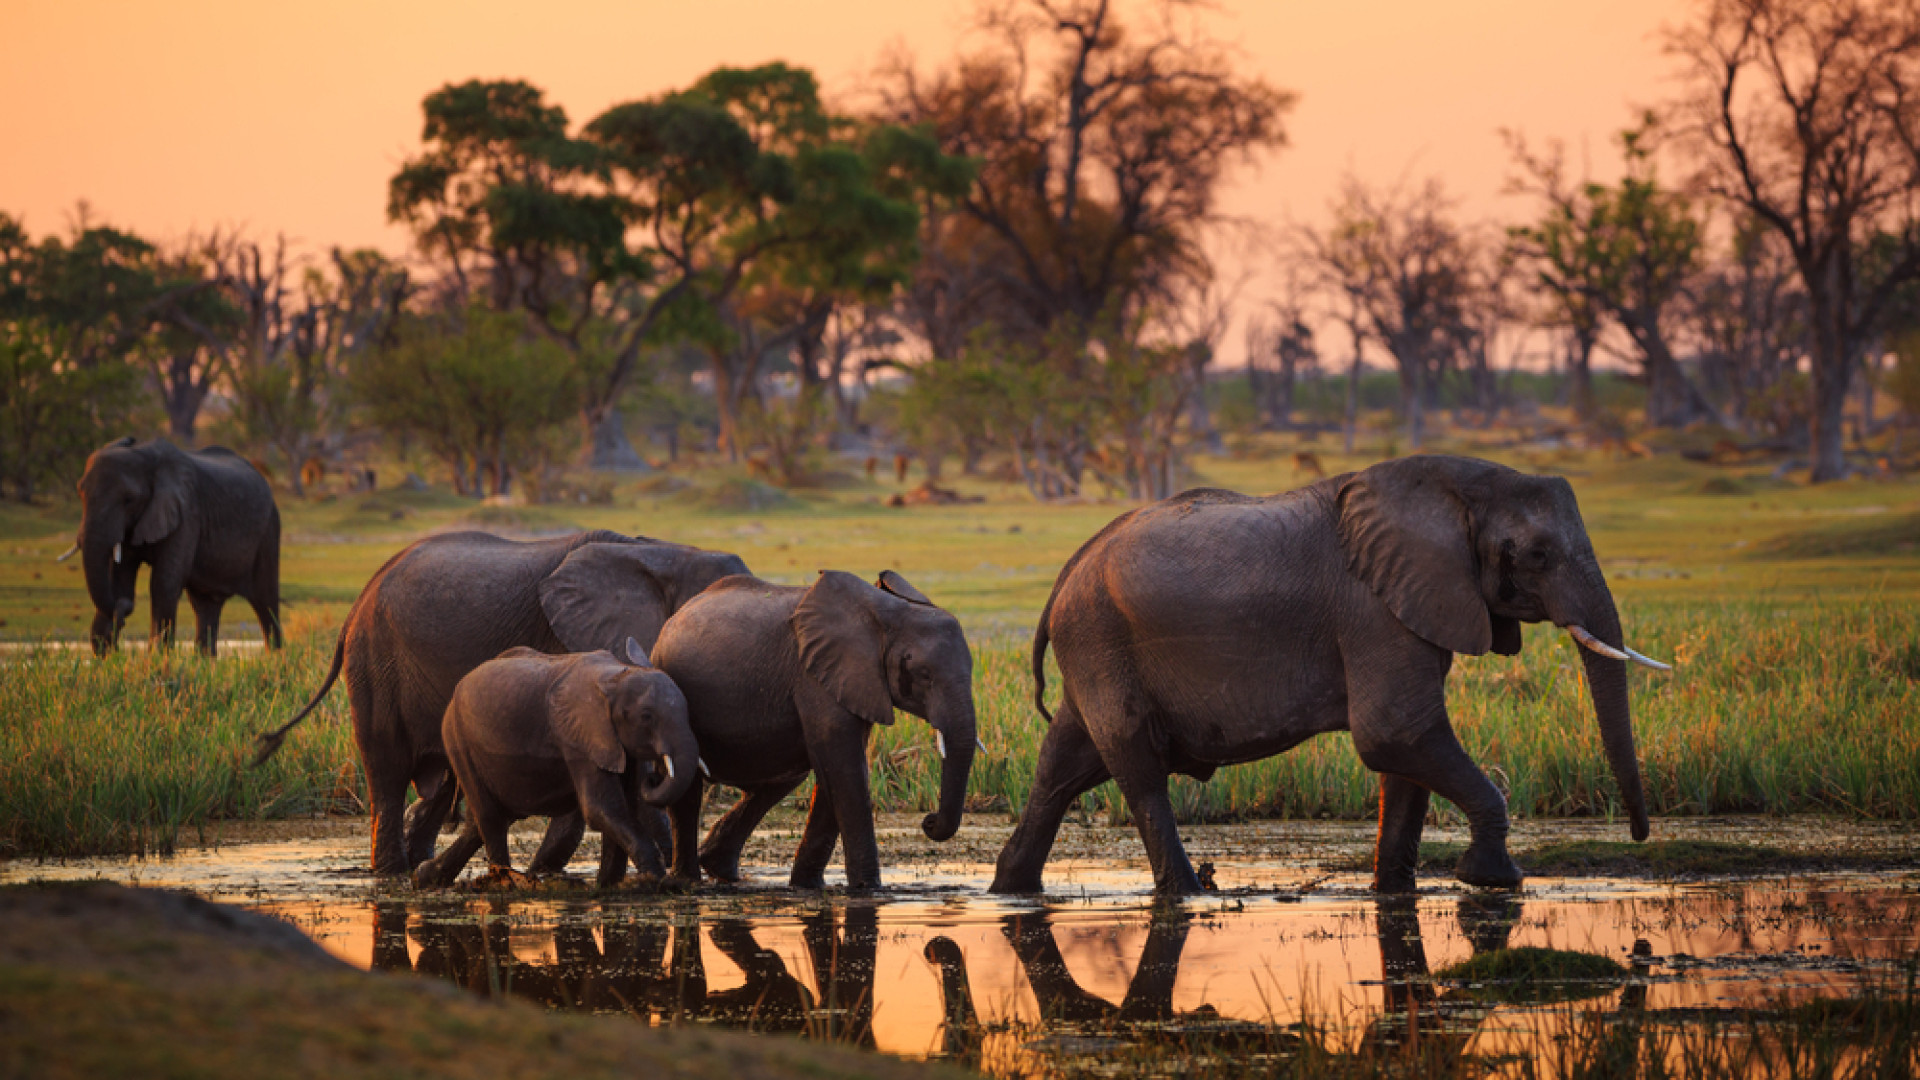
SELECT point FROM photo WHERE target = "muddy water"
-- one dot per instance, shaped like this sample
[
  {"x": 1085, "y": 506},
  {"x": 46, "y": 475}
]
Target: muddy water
[{"x": 1095, "y": 973}]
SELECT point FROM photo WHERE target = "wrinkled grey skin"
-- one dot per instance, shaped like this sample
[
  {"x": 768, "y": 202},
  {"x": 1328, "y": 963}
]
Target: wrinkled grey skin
[
  {"x": 782, "y": 682},
  {"x": 447, "y": 604},
  {"x": 1213, "y": 628},
  {"x": 530, "y": 733},
  {"x": 204, "y": 521}
]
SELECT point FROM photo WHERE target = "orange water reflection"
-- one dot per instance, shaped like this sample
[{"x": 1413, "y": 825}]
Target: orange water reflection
[{"x": 1004, "y": 985}]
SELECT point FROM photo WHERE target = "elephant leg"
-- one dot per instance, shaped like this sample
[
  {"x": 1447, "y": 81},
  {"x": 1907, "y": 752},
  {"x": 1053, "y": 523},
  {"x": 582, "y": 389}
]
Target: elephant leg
[
  {"x": 817, "y": 840},
  {"x": 558, "y": 845},
  {"x": 387, "y": 798},
  {"x": 1396, "y": 852},
  {"x": 1145, "y": 789},
  {"x": 1068, "y": 767},
  {"x": 264, "y": 594},
  {"x": 164, "y": 595},
  {"x": 686, "y": 832},
  {"x": 840, "y": 765},
  {"x": 720, "y": 854},
  {"x": 491, "y": 820},
  {"x": 442, "y": 869},
  {"x": 1437, "y": 762},
  {"x": 268, "y": 612},
  {"x": 206, "y": 622},
  {"x": 425, "y": 817},
  {"x": 607, "y": 803}
]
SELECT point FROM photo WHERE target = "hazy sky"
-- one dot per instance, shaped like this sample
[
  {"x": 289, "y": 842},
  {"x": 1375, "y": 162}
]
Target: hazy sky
[{"x": 291, "y": 117}]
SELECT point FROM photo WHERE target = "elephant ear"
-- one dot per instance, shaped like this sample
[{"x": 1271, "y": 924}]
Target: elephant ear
[
  {"x": 601, "y": 594},
  {"x": 582, "y": 719},
  {"x": 901, "y": 588},
  {"x": 842, "y": 644},
  {"x": 1405, "y": 534},
  {"x": 165, "y": 509}
]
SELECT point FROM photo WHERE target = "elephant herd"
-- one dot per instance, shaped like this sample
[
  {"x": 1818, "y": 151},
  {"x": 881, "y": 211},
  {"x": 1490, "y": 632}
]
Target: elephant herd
[{"x": 597, "y": 677}]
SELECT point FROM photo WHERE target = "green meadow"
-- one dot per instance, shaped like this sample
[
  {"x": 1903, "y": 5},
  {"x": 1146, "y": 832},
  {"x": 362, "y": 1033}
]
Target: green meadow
[{"x": 1792, "y": 614}]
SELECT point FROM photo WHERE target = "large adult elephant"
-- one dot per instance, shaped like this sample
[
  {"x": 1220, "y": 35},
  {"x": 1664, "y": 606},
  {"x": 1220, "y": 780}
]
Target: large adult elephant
[
  {"x": 205, "y": 522},
  {"x": 447, "y": 604},
  {"x": 1213, "y": 628},
  {"x": 784, "y": 682}
]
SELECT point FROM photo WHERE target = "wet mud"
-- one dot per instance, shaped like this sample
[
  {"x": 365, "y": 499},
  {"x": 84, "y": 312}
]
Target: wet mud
[{"x": 1097, "y": 978}]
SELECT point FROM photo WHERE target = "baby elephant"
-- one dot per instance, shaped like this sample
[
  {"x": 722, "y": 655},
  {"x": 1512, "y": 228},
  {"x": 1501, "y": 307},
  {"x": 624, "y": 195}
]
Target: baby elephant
[{"x": 533, "y": 733}]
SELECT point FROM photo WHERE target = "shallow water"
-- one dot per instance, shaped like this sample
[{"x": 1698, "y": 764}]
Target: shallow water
[{"x": 1095, "y": 973}]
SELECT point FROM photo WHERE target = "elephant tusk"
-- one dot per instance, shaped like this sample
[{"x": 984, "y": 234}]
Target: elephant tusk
[
  {"x": 703, "y": 769},
  {"x": 116, "y": 553},
  {"x": 982, "y": 745},
  {"x": 669, "y": 762},
  {"x": 70, "y": 553},
  {"x": 1594, "y": 644},
  {"x": 1647, "y": 661},
  {"x": 940, "y": 743}
]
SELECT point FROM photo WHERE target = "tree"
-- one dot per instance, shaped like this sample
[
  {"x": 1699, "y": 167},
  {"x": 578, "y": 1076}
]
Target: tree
[
  {"x": 1805, "y": 114},
  {"x": 1404, "y": 268},
  {"x": 1100, "y": 149},
  {"x": 481, "y": 391},
  {"x": 300, "y": 339},
  {"x": 1624, "y": 252},
  {"x": 1750, "y": 315},
  {"x": 53, "y": 413}
]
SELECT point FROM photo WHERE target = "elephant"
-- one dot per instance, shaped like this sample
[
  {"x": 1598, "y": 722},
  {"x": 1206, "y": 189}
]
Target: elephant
[
  {"x": 784, "y": 681},
  {"x": 1214, "y": 628},
  {"x": 205, "y": 521},
  {"x": 447, "y": 604},
  {"x": 533, "y": 733}
]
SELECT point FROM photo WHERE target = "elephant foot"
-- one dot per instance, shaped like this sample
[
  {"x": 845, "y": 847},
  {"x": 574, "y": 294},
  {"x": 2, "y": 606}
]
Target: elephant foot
[
  {"x": 504, "y": 878},
  {"x": 721, "y": 867},
  {"x": 813, "y": 882},
  {"x": 605, "y": 880},
  {"x": 432, "y": 875},
  {"x": 1488, "y": 866},
  {"x": 1394, "y": 883},
  {"x": 1016, "y": 884}
]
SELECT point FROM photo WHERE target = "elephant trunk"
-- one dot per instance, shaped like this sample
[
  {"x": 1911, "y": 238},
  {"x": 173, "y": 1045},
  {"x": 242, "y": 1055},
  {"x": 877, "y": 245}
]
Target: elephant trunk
[
  {"x": 1607, "y": 679},
  {"x": 100, "y": 540},
  {"x": 957, "y": 731},
  {"x": 677, "y": 770}
]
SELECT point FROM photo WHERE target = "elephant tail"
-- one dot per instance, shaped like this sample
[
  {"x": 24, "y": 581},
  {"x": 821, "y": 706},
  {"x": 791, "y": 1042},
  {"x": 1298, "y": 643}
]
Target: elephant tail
[
  {"x": 1040, "y": 660},
  {"x": 270, "y": 741}
]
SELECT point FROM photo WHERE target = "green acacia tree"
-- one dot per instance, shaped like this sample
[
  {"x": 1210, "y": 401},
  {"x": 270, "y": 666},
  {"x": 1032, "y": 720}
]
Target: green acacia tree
[
  {"x": 1621, "y": 252},
  {"x": 480, "y": 390}
]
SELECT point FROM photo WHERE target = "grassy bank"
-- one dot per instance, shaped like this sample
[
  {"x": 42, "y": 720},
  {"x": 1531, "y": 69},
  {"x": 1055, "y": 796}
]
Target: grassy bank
[{"x": 1813, "y": 708}]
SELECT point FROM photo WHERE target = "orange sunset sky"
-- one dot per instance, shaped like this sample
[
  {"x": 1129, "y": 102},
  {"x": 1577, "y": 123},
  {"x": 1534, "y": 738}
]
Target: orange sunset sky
[{"x": 291, "y": 117}]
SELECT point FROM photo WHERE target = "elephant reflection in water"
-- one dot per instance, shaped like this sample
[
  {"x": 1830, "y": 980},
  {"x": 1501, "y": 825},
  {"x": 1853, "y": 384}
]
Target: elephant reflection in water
[
  {"x": 1413, "y": 1010},
  {"x": 653, "y": 971}
]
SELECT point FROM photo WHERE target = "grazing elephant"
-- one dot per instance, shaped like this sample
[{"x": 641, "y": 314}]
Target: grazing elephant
[
  {"x": 532, "y": 733},
  {"x": 204, "y": 520},
  {"x": 782, "y": 682},
  {"x": 447, "y": 604},
  {"x": 1213, "y": 628}
]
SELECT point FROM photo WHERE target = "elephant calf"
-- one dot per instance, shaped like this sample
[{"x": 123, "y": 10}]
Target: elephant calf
[
  {"x": 533, "y": 733},
  {"x": 782, "y": 682}
]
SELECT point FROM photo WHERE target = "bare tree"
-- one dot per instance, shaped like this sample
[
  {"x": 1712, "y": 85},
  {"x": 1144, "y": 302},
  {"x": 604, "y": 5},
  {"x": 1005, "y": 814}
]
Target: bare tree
[
  {"x": 1806, "y": 113},
  {"x": 1400, "y": 263}
]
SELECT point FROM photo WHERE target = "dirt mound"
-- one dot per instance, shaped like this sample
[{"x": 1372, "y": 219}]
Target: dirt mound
[
  {"x": 103, "y": 980},
  {"x": 932, "y": 494},
  {"x": 738, "y": 495}
]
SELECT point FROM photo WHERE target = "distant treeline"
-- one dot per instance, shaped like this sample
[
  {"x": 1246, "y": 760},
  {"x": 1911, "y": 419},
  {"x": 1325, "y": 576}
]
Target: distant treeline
[{"x": 1019, "y": 253}]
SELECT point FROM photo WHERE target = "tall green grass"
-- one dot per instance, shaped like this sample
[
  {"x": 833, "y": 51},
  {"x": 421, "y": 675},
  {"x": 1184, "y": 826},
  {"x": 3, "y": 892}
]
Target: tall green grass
[
  {"x": 1778, "y": 709},
  {"x": 1813, "y": 707},
  {"x": 118, "y": 755}
]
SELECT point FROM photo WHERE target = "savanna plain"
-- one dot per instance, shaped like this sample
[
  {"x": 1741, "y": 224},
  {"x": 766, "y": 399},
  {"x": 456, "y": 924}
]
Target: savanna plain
[{"x": 1769, "y": 927}]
